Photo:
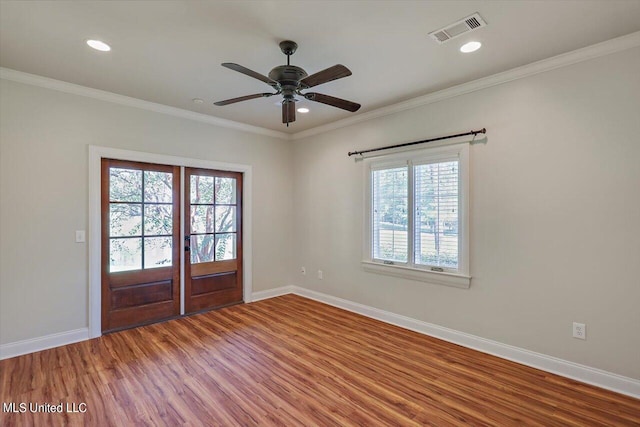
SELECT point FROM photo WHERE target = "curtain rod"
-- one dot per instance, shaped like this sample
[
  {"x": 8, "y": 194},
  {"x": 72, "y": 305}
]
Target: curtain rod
[{"x": 406, "y": 144}]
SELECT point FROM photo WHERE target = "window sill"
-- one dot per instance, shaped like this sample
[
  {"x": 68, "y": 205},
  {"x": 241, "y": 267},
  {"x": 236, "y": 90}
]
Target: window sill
[{"x": 437, "y": 277}]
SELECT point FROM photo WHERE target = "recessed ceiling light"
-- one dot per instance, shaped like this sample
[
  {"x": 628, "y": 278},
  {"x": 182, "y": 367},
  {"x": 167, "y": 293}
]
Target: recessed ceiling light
[
  {"x": 198, "y": 101},
  {"x": 303, "y": 110},
  {"x": 99, "y": 45},
  {"x": 470, "y": 47}
]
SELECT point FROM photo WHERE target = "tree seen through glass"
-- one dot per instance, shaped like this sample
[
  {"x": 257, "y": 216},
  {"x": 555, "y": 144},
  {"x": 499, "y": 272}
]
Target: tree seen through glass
[
  {"x": 140, "y": 225},
  {"x": 435, "y": 194},
  {"x": 436, "y": 200},
  {"x": 213, "y": 218}
]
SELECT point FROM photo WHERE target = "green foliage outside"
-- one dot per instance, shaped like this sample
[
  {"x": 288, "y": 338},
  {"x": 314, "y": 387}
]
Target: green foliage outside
[
  {"x": 217, "y": 222},
  {"x": 140, "y": 214},
  {"x": 141, "y": 219},
  {"x": 436, "y": 216}
]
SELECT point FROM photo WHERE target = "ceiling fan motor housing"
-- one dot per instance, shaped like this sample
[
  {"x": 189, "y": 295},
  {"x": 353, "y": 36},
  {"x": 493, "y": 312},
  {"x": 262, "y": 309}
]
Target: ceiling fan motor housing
[{"x": 288, "y": 75}]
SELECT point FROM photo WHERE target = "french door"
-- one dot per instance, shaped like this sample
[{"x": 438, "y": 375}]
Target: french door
[
  {"x": 141, "y": 241},
  {"x": 213, "y": 266}
]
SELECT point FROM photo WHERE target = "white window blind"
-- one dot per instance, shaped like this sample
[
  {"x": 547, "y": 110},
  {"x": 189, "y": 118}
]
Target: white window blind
[
  {"x": 437, "y": 214},
  {"x": 390, "y": 214},
  {"x": 417, "y": 214}
]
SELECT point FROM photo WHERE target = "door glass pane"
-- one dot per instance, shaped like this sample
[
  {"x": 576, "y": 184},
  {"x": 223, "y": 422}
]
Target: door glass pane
[
  {"x": 225, "y": 219},
  {"x": 201, "y": 219},
  {"x": 125, "y": 254},
  {"x": 158, "y": 219},
  {"x": 125, "y": 185},
  {"x": 158, "y": 187},
  {"x": 225, "y": 191},
  {"x": 157, "y": 252},
  {"x": 125, "y": 219},
  {"x": 202, "y": 248},
  {"x": 201, "y": 189},
  {"x": 225, "y": 246},
  {"x": 150, "y": 215}
]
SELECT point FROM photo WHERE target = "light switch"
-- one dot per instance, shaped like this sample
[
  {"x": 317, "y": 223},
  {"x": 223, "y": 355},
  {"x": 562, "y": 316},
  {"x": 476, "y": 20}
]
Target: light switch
[{"x": 80, "y": 236}]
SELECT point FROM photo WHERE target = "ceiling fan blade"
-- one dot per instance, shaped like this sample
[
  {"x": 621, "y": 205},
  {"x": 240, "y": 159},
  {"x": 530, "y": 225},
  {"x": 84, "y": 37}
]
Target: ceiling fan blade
[
  {"x": 288, "y": 112},
  {"x": 250, "y": 73},
  {"x": 242, "y": 98},
  {"x": 333, "y": 101},
  {"x": 332, "y": 73}
]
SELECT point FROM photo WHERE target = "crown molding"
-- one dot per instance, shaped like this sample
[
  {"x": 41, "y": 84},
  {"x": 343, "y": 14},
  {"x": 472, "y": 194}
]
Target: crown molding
[
  {"x": 66, "y": 87},
  {"x": 608, "y": 47},
  {"x": 565, "y": 59}
]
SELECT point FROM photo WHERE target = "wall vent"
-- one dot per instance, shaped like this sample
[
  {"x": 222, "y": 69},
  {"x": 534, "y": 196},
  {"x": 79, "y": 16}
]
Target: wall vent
[{"x": 458, "y": 28}]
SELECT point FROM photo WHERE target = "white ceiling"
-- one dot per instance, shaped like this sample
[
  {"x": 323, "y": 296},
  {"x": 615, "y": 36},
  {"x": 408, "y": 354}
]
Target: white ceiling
[{"x": 169, "y": 52}]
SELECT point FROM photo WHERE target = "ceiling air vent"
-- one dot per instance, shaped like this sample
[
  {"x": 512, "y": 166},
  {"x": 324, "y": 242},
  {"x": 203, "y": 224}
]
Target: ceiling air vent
[{"x": 456, "y": 29}]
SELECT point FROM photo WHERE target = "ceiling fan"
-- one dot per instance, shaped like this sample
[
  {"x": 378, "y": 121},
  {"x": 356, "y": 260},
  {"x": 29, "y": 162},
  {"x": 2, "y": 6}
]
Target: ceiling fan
[{"x": 289, "y": 80}]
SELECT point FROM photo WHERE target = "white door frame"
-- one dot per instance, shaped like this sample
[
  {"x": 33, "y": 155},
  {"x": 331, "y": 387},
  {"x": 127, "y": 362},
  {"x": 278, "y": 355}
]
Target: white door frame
[{"x": 96, "y": 154}]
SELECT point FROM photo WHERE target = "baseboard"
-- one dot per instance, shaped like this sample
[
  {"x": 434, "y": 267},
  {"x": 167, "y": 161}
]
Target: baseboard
[
  {"x": 586, "y": 374},
  {"x": 565, "y": 368},
  {"x": 271, "y": 293},
  {"x": 32, "y": 345}
]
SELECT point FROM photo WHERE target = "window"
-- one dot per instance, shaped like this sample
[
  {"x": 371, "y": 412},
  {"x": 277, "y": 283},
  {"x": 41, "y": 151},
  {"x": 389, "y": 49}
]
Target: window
[{"x": 417, "y": 215}]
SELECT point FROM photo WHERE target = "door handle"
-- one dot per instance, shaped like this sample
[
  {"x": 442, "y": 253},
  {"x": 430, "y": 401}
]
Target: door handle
[{"x": 187, "y": 240}]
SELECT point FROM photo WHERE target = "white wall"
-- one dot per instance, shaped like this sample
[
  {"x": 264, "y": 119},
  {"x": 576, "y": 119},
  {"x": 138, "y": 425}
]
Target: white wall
[
  {"x": 555, "y": 208},
  {"x": 44, "y": 139},
  {"x": 555, "y": 213}
]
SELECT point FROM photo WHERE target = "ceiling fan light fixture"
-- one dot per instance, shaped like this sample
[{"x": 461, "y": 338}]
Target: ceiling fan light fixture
[
  {"x": 99, "y": 45},
  {"x": 470, "y": 47},
  {"x": 303, "y": 110}
]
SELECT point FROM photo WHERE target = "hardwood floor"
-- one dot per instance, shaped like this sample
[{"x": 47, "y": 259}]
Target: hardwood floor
[{"x": 290, "y": 361}]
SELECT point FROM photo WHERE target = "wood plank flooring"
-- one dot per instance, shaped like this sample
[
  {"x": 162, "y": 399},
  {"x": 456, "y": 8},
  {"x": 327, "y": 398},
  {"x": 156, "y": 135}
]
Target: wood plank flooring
[{"x": 290, "y": 361}]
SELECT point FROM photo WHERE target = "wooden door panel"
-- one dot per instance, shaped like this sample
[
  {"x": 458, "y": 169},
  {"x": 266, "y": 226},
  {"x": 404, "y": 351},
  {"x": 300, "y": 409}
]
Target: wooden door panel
[
  {"x": 140, "y": 315},
  {"x": 213, "y": 283},
  {"x": 140, "y": 243},
  {"x": 146, "y": 293},
  {"x": 217, "y": 299},
  {"x": 213, "y": 214}
]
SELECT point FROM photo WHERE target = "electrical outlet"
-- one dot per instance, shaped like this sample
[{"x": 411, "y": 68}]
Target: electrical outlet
[
  {"x": 580, "y": 331},
  {"x": 303, "y": 271},
  {"x": 320, "y": 275}
]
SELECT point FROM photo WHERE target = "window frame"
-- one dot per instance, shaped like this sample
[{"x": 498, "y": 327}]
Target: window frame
[{"x": 459, "y": 277}]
